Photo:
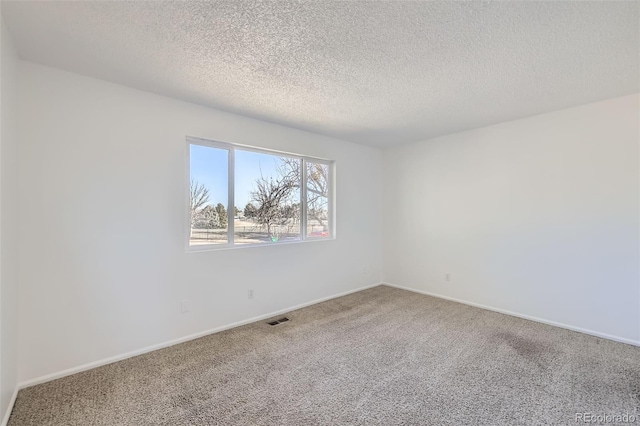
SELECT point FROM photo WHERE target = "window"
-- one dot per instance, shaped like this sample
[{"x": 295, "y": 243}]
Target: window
[
  {"x": 267, "y": 187},
  {"x": 317, "y": 195},
  {"x": 242, "y": 196},
  {"x": 208, "y": 195}
]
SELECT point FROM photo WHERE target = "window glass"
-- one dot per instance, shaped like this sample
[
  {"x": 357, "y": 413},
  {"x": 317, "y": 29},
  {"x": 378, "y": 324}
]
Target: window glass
[
  {"x": 208, "y": 195},
  {"x": 317, "y": 200},
  {"x": 267, "y": 197}
]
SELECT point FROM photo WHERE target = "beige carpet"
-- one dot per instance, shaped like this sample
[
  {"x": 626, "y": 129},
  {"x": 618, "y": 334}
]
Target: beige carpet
[{"x": 378, "y": 357}]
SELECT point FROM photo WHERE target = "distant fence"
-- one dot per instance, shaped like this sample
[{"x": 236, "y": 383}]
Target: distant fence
[
  {"x": 208, "y": 234},
  {"x": 221, "y": 234}
]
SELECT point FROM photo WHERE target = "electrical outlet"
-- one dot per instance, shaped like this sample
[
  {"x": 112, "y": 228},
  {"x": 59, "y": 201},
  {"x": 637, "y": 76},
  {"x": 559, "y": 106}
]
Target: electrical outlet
[
  {"x": 250, "y": 293},
  {"x": 447, "y": 277},
  {"x": 184, "y": 306}
]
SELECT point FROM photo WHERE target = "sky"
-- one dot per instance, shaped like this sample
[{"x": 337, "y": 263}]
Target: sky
[{"x": 209, "y": 166}]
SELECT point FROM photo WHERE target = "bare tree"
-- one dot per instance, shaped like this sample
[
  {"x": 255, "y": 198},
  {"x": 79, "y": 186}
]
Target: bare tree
[
  {"x": 208, "y": 217},
  {"x": 199, "y": 195},
  {"x": 317, "y": 185},
  {"x": 272, "y": 197},
  {"x": 318, "y": 192}
]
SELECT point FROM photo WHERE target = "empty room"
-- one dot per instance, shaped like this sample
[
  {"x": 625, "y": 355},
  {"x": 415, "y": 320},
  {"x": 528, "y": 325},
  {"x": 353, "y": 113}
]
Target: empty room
[{"x": 320, "y": 212}]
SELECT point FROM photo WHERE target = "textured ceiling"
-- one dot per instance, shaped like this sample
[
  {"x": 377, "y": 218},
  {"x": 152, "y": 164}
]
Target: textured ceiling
[{"x": 377, "y": 73}]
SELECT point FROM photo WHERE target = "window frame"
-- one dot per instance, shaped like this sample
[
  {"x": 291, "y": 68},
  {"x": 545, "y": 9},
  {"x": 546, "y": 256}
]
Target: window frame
[{"x": 231, "y": 147}]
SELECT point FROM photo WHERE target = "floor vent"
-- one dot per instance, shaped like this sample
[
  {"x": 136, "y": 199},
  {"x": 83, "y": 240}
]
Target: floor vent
[{"x": 276, "y": 322}]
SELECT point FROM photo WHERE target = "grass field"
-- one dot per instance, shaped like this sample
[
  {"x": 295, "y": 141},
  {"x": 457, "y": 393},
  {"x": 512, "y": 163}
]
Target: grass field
[{"x": 248, "y": 232}]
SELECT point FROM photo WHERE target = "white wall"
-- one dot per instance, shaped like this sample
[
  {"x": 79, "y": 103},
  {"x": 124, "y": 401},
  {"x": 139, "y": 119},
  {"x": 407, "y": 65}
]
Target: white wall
[
  {"x": 8, "y": 221},
  {"x": 538, "y": 216},
  {"x": 103, "y": 265}
]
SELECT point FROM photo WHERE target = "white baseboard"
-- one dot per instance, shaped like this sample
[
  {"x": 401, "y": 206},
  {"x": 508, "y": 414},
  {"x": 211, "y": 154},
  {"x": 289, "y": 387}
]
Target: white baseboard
[
  {"x": 105, "y": 361},
  {"x": 523, "y": 316},
  {"x": 5, "y": 420}
]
